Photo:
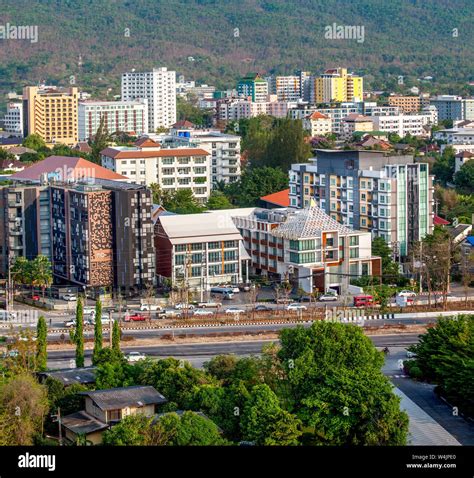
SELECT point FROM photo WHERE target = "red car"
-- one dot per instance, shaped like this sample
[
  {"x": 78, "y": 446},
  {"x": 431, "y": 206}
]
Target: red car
[
  {"x": 135, "y": 318},
  {"x": 36, "y": 297}
]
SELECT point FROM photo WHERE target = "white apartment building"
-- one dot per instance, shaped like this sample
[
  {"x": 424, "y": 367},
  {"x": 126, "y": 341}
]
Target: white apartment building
[
  {"x": 171, "y": 168},
  {"x": 13, "y": 119},
  {"x": 158, "y": 87},
  {"x": 223, "y": 148},
  {"x": 236, "y": 109},
  {"x": 120, "y": 116},
  {"x": 286, "y": 88},
  {"x": 403, "y": 124},
  {"x": 460, "y": 139},
  {"x": 318, "y": 124}
]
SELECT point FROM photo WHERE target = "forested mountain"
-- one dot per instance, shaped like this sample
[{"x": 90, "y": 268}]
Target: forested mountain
[{"x": 94, "y": 41}]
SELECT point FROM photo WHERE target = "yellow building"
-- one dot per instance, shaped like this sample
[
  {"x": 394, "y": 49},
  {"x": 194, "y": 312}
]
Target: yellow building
[
  {"x": 337, "y": 86},
  {"x": 52, "y": 114}
]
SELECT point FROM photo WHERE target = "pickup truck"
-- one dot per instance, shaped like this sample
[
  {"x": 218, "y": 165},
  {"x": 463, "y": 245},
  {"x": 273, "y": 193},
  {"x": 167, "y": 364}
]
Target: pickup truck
[
  {"x": 135, "y": 317},
  {"x": 150, "y": 307}
]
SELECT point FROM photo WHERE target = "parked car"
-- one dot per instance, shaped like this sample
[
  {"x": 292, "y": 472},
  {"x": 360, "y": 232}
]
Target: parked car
[
  {"x": 327, "y": 297},
  {"x": 183, "y": 306},
  {"x": 209, "y": 305},
  {"x": 69, "y": 297},
  {"x": 282, "y": 300},
  {"x": 245, "y": 287},
  {"x": 135, "y": 356},
  {"x": 36, "y": 297},
  {"x": 363, "y": 300},
  {"x": 150, "y": 307},
  {"x": 305, "y": 298},
  {"x": 296, "y": 306},
  {"x": 135, "y": 317},
  {"x": 203, "y": 312},
  {"x": 262, "y": 308},
  {"x": 169, "y": 313},
  {"x": 234, "y": 310},
  {"x": 411, "y": 355},
  {"x": 70, "y": 323},
  {"x": 407, "y": 293}
]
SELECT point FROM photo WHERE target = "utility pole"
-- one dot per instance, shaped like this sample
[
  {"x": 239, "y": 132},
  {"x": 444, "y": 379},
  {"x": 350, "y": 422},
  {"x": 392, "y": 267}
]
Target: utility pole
[
  {"x": 110, "y": 329},
  {"x": 57, "y": 418}
]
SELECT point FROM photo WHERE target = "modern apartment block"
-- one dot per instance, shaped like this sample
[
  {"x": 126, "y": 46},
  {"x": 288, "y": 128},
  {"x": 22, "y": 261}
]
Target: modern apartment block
[
  {"x": 120, "y": 116},
  {"x": 158, "y": 87},
  {"x": 336, "y": 85},
  {"x": 13, "y": 119},
  {"x": 254, "y": 86},
  {"x": 102, "y": 235},
  {"x": 415, "y": 125},
  {"x": 171, "y": 168},
  {"x": 286, "y": 88},
  {"x": 223, "y": 148},
  {"x": 306, "y": 247},
  {"x": 460, "y": 139},
  {"x": 389, "y": 195},
  {"x": 455, "y": 108},
  {"x": 24, "y": 223},
  {"x": 200, "y": 250},
  {"x": 406, "y": 104},
  {"x": 51, "y": 113}
]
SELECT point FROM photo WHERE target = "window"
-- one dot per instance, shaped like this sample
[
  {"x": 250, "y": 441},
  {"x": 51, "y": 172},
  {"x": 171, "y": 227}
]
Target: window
[
  {"x": 229, "y": 244},
  {"x": 196, "y": 258},
  {"x": 114, "y": 415},
  {"x": 354, "y": 241},
  {"x": 180, "y": 247},
  {"x": 230, "y": 268},
  {"x": 229, "y": 255},
  {"x": 354, "y": 253},
  {"x": 180, "y": 259},
  {"x": 215, "y": 257},
  {"x": 214, "y": 245},
  {"x": 197, "y": 246},
  {"x": 195, "y": 271}
]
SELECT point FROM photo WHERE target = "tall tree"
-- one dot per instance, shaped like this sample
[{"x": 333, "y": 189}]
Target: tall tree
[
  {"x": 116, "y": 336},
  {"x": 77, "y": 334},
  {"x": 97, "y": 331},
  {"x": 101, "y": 141},
  {"x": 41, "y": 344},
  {"x": 34, "y": 141},
  {"x": 41, "y": 272}
]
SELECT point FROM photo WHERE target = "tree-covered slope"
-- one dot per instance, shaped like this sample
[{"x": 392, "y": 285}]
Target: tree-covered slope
[{"x": 413, "y": 38}]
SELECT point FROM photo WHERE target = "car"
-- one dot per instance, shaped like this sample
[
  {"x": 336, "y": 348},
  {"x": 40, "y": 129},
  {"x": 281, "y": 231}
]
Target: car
[
  {"x": 327, "y": 297},
  {"x": 36, "y": 297},
  {"x": 406, "y": 293},
  {"x": 262, "y": 308},
  {"x": 135, "y": 317},
  {"x": 245, "y": 287},
  {"x": 234, "y": 310},
  {"x": 209, "y": 305},
  {"x": 135, "y": 356},
  {"x": 183, "y": 305},
  {"x": 150, "y": 307},
  {"x": 296, "y": 306},
  {"x": 69, "y": 297},
  {"x": 411, "y": 355},
  {"x": 169, "y": 313},
  {"x": 70, "y": 323},
  {"x": 203, "y": 312},
  {"x": 233, "y": 288},
  {"x": 306, "y": 298}
]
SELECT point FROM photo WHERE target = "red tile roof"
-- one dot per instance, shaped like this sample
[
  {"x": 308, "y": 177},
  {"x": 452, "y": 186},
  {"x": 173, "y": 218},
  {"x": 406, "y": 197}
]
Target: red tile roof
[
  {"x": 280, "y": 198},
  {"x": 183, "y": 124},
  {"x": 68, "y": 167},
  {"x": 317, "y": 115},
  {"x": 127, "y": 154},
  {"x": 439, "y": 221},
  {"x": 147, "y": 143}
]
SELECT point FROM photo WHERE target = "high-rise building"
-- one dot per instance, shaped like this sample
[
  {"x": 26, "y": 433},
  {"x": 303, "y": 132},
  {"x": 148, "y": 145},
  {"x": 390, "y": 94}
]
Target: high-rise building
[
  {"x": 286, "y": 88},
  {"x": 449, "y": 107},
  {"x": 254, "y": 86},
  {"x": 390, "y": 196},
  {"x": 13, "y": 119},
  {"x": 406, "y": 104},
  {"x": 158, "y": 87},
  {"x": 336, "y": 85},
  {"x": 51, "y": 113},
  {"x": 120, "y": 116},
  {"x": 102, "y": 234}
]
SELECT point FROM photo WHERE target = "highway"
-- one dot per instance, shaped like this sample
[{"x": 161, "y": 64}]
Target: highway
[{"x": 198, "y": 353}]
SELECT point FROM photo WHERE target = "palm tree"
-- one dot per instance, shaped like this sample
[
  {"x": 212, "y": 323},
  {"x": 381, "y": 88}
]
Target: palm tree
[{"x": 41, "y": 274}]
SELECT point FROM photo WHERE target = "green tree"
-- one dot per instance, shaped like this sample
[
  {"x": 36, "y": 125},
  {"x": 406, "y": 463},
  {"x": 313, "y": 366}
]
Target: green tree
[
  {"x": 182, "y": 201},
  {"x": 77, "y": 334},
  {"x": 97, "y": 331},
  {"x": 443, "y": 168},
  {"x": 41, "y": 272},
  {"x": 5, "y": 155},
  {"x": 218, "y": 200},
  {"x": 100, "y": 142},
  {"x": 265, "y": 422},
  {"x": 41, "y": 344},
  {"x": 390, "y": 269},
  {"x": 116, "y": 336},
  {"x": 131, "y": 431},
  {"x": 23, "y": 406},
  {"x": 336, "y": 387},
  {"x": 34, "y": 141},
  {"x": 464, "y": 178}
]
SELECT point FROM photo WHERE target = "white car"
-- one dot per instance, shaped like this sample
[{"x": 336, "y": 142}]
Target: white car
[
  {"x": 209, "y": 305},
  {"x": 203, "y": 312},
  {"x": 411, "y": 355},
  {"x": 70, "y": 323},
  {"x": 182, "y": 306},
  {"x": 150, "y": 307},
  {"x": 234, "y": 310},
  {"x": 296, "y": 306},
  {"x": 69, "y": 297},
  {"x": 406, "y": 293},
  {"x": 327, "y": 297},
  {"x": 135, "y": 356}
]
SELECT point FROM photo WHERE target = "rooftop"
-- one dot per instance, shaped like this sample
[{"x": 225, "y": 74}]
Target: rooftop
[
  {"x": 82, "y": 423},
  {"x": 113, "y": 398},
  {"x": 122, "y": 152},
  {"x": 280, "y": 198},
  {"x": 69, "y": 376}
]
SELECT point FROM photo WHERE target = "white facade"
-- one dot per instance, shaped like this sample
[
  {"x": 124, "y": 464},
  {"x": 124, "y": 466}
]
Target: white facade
[
  {"x": 403, "y": 124},
  {"x": 460, "y": 139},
  {"x": 121, "y": 116},
  {"x": 170, "y": 168},
  {"x": 13, "y": 119},
  {"x": 158, "y": 87},
  {"x": 286, "y": 88}
]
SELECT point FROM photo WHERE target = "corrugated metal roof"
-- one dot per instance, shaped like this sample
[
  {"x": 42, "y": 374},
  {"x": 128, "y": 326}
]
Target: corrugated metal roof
[{"x": 113, "y": 398}]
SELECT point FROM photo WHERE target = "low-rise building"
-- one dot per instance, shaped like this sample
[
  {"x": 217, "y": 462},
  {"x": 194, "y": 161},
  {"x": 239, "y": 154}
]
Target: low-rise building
[
  {"x": 200, "y": 250},
  {"x": 415, "y": 125},
  {"x": 406, "y": 104},
  {"x": 461, "y": 159},
  {"x": 318, "y": 124},
  {"x": 460, "y": 139},
  {"x": 13, "y": 119},
  {"x": 306, "y": 247},
  {"x": 356, "y": 123}
]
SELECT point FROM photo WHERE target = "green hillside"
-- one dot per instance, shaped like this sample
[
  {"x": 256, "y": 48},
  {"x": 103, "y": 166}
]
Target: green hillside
[{"x": 413, "y": 38}]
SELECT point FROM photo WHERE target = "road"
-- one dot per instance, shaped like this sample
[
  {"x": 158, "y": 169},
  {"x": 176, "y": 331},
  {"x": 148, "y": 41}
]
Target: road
[{"x": 200, "y": 352}]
